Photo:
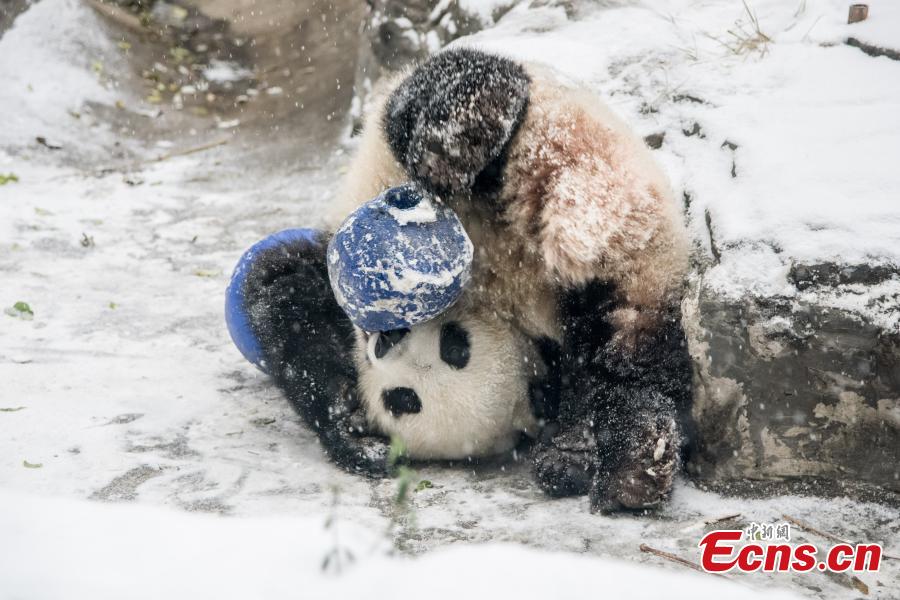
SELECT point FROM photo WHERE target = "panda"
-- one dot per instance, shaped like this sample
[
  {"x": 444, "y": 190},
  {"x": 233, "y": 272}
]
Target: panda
[
  {"x": 455, "y": 387},
  {"x": 570, "y": 328}
]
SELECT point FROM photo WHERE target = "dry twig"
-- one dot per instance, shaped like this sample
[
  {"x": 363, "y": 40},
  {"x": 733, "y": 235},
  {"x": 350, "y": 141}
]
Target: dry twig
[
  {"x": 187, "y": 151},
  {"x": 828, "y": 536},
  {"x": 677, "y": 559}
]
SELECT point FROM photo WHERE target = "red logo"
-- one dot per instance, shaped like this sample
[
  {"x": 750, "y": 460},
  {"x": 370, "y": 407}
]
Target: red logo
[{"x": 721, "y": 552}]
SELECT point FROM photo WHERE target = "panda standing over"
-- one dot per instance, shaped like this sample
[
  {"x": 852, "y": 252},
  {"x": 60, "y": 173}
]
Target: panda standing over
[{"x": 580, "y": 257}]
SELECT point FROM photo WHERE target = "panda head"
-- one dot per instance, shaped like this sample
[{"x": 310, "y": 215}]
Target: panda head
[{"x": 451, "y": 388}]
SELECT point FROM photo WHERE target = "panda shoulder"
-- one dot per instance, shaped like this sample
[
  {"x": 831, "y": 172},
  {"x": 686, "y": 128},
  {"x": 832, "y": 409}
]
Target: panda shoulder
[
  {"x": 553, "y": 92},
  {"x": 587, "y": 193}
]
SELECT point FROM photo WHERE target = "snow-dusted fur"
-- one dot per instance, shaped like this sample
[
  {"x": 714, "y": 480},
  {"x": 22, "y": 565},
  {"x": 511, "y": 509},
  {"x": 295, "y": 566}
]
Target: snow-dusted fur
[
  {"x": 581, "y": 199},
  {"x": 579, "y": 245}
]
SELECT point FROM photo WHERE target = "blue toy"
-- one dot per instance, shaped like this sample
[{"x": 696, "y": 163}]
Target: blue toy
[
  {"x": 235, "y": 316},
  {"x": 399, "y": 260}
]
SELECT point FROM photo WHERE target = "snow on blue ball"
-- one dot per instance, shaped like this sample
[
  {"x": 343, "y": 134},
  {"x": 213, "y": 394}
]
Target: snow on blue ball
[{"x": 399, "y": 260}]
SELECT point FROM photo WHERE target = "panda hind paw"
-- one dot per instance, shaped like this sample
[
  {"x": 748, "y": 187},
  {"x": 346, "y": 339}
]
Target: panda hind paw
[{"x": 644, "y": 479}]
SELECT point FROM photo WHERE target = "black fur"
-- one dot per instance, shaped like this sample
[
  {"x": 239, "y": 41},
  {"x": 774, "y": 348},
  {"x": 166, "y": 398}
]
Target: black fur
[
  {"x": 544, "y": 391},
  {"x": 387, "y": 340},
  {"x": 615, "y": 403},
  {"x": 451, "y": 119},
  {"x": 401, "y": 401},
  {"x": 308, "y": 341},
  {"x": 455, "y": 349}
]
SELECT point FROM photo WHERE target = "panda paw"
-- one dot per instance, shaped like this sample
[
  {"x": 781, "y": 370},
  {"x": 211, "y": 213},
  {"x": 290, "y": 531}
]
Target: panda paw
[
  {"x": 359, "y": 452},
  {"x": 643, "y": 478},
  {"x": 563, "y": 463}
]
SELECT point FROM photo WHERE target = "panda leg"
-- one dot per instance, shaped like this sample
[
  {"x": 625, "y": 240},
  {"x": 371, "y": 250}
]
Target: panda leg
[
  {"x": 623, "y": 409},
  {"x": 565, "y": 459},
  {"x": 307, "y": 342},
  {"x": 642, "y": 421}
]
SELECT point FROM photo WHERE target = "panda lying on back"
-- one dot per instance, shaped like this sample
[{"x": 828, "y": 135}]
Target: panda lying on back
[{"x": 571, "y": 320}]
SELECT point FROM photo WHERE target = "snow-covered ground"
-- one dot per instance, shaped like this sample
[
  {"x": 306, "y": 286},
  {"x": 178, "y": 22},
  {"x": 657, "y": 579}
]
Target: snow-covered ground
[
  {"x": 123, "y": 386},
  {"x": 115, "y": 552}
]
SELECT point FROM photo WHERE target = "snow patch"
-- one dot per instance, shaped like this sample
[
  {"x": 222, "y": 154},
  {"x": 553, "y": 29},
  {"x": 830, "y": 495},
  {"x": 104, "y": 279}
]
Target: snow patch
[
  {"x": 99, "y": 551},
  {"x": 423, "y": 212},
  {"x": 54, "y": 59},
  {"x": 222, "y": 71}
]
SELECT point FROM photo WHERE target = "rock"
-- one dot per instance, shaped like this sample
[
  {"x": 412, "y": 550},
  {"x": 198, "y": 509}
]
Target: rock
[
  {"x": 873, "y": 50},
  {"x": 399, "y": 33},
  {"x": 655, "y": 140},
  {"x": 830, "y": 274},
  {"x": 788, "y": 388},
  {"x": 9, "y": 10}
]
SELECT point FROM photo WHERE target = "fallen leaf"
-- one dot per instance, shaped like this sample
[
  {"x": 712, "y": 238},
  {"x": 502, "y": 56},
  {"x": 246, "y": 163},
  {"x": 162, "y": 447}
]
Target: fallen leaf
[
  {"x": 206, "y": 273},
  {"x": 23, "y": 307},
  {"x": 29, "y": 465},
  {"x": 47, "y": 144}
]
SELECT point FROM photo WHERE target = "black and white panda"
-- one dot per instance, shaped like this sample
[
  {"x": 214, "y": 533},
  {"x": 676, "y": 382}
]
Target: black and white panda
[
  {"x": 572, "y": 316},
  {"x": 455, "y": 387}
]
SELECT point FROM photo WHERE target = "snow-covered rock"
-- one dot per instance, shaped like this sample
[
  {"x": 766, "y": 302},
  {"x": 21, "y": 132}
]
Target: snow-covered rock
[{"x": 400, "y": 33}]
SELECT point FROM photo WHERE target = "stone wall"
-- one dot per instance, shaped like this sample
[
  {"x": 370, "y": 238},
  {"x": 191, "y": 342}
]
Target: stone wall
[
  {"x": 788, "y": 389},
  {"x": 400, "y": 33}
]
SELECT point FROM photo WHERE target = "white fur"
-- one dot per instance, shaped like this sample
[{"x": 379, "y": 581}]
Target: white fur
[{"x": 478, "y": 410}]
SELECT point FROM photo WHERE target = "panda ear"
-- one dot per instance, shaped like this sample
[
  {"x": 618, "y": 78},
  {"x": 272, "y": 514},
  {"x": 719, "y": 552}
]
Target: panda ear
[{"x": 454, "y": 115}]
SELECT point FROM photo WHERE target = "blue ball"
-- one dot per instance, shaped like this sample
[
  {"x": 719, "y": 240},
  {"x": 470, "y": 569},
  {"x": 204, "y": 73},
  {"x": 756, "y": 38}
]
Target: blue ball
[
  {"x": 399, "y": 260},
  {"x": 235, "y": 310}
]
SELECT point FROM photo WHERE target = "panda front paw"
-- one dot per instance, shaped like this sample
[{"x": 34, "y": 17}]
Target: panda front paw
[
  {"x": 564, "y": 463},
  {"x": 349, "y": 441},
  {"x": 643, "y": 478},
  {"x": 360, "y": 453}
]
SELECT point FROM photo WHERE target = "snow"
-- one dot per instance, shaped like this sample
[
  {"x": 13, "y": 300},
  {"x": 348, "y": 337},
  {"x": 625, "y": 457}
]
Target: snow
[
  {"x": 167, "y": 466},
  {"x": 148, "y": 402},
  {"x": 223, "y": 71},
  {"x": 880, "y": 28},
  {"x": 423, "y": 212},
  {"x": 816, "y": 122},
  {"x": 483, "y": 9},
  {"x": 54, "y": 60},
  {"x": 101, "y": 552}
]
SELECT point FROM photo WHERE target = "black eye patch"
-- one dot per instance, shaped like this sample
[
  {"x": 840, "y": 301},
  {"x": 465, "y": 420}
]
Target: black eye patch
[
  {"x": 455, "y": 348},
  {"x": 387, "y": 340},
  {"x": 401, "y": 401}
]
